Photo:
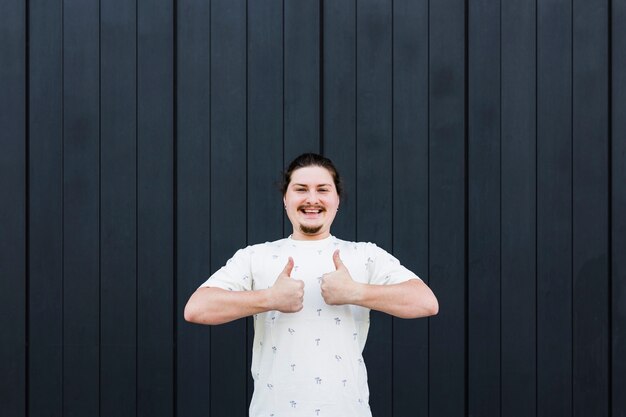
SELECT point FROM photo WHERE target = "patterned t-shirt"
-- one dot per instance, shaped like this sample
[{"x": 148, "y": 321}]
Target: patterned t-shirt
[{"x": 309, "y": 363}]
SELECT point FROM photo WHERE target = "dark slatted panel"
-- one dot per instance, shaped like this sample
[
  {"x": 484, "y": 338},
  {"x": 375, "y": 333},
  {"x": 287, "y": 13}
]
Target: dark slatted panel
[
  {"x": 483, "y": 205},
  {"x": 447, "y": 207},
  {"x": 518, "y": 199},
  {"x": 339, "y": 105},
  {"x": 193, "y": 202},
  {"x": 81, "y": 215},
  {"x": 155, "y": 202},
  {"x": 481, "y": 141},
  {"x": 301, "y": 78},
  {"x": 118, "y": 206},
  {"x": 265, "y": 132},
  {"x": 590, "y": 209},
  {"x": 13, "y": 183},
  {"x": 410, "y": 214},
  {"x": 228, "y": 194},
  {"x": 45, "y": 356},
  {"x": 618, "y": 208},
  {"x": 265, "y": 121},
  {"x": 374, "y": 151},
  {"x": 554, "y": 209}
]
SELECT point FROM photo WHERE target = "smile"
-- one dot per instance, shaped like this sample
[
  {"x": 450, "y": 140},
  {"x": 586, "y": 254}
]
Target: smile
[{"x": 310, "y": 212}]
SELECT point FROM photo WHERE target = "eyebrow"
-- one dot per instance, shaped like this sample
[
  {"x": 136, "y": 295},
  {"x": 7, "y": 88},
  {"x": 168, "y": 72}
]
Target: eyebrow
[{"x": 305, "y": 185}]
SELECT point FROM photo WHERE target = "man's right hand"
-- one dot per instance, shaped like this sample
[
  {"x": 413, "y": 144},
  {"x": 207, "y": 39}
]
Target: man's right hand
[{"x": 287, "y": 294}]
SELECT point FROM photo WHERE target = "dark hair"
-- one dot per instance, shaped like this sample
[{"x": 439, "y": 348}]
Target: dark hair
[{"x": 307, "y": 160}]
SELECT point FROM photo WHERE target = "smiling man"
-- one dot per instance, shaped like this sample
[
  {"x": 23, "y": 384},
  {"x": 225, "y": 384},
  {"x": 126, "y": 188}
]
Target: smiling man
[{"x": 310, "y": 295}]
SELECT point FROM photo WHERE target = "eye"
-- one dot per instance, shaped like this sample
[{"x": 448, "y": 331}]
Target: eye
[
  {"x": 323, "y": 190},
  {"x": 300, "y": 189}
]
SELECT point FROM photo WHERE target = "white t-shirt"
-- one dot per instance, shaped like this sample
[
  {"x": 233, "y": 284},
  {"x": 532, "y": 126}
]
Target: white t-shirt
[{"x": 309, "y": 363}]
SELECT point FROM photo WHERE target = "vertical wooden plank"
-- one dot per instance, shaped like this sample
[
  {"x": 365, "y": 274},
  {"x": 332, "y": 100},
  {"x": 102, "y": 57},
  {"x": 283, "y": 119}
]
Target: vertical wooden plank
[
  {"x": 374, "y": 159},
  {"x": 228, "y": 193},
  {"x": 265, "y": 120},
  {"x": 339, "y": 105},
  {"x": 301, "y": 79},
  {"x": 13, "y": 208},
  {"x": 265, "y": 132},
  {"x": 155, "y": 203},
  {"x": 618, "y": 207},
  {"x": 410, "y": 196},
  {"x": 518, "y": 234},
  {"x": 483, "y": 240},
  {"x": 193, "y": 209},
  {"x": 45, "y": 354},
  {"x": 81, "y": 214},
  {"x": 590, "y": 209},
  {"x": 447, "y": 207},
  {"x": 118, "y": 239},
  {"x": 554, "y": 209}
]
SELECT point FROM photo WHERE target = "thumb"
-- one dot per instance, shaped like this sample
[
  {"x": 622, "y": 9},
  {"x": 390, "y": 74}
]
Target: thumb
[
  {"x": 337, "y": 260},
  {"x": 288, "y": 267}
]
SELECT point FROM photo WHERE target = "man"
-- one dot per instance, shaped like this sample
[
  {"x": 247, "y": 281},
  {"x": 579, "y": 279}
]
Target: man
[{"x": 310, "y": 295}]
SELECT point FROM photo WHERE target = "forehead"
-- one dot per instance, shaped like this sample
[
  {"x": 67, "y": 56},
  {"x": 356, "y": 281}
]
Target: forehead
[{"x": 312, "y": 175}]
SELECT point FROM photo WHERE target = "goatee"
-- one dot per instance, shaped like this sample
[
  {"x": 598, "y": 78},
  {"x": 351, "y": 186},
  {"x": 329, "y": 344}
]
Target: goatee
[{"x": 307, "y": 230}]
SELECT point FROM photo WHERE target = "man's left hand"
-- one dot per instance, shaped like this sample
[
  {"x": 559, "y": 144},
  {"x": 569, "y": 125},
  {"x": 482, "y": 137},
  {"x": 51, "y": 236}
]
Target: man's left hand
[{"x": 338, "y": 287}]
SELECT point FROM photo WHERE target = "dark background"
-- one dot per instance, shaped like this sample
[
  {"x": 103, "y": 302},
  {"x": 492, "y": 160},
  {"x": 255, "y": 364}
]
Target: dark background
[{"x": 483, "y": 142}]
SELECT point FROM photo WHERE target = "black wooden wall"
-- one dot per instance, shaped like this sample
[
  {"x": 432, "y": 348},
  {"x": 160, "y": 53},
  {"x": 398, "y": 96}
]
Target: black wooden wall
[{"x": 482, "y": 141}]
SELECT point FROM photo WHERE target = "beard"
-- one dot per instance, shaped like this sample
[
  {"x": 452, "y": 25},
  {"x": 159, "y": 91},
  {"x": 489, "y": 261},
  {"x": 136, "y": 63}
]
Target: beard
[{"x": 310, "y": 230}]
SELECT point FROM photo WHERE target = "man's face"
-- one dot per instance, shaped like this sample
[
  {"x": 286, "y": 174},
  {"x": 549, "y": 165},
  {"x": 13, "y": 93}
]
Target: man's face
[{"x": 311, "y": 202}]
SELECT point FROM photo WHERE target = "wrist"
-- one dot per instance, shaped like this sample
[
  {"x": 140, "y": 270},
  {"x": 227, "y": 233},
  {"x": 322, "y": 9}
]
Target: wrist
[
  {"x": 266, "y": 299},
  {"x": 359, "y": 293}
]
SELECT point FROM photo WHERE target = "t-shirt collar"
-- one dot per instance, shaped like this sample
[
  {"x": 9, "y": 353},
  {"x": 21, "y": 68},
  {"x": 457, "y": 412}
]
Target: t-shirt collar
[{"x": 311, "y": 243}]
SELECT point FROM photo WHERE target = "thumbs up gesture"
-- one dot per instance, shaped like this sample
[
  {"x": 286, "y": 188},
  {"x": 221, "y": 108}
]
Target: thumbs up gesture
[
  {"x": 287, "y": 294},
  {"x": 338, "y": 287}
]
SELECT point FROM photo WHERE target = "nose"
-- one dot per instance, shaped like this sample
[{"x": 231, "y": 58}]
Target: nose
[{"x": 312, "y": 197}]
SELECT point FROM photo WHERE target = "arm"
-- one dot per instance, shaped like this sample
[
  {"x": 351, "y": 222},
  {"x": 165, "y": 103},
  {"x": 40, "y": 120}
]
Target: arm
[
  {"x": 217, "y": 306},
  {"x": 210, "y": 305},
  {"x": 410, "y": 299}
]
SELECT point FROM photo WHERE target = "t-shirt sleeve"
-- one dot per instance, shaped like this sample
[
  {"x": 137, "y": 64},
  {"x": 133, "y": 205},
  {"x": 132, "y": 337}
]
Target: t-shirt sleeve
[
  {"x": 235, "y": 275},
  {"x": 384, "y": 269}
]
